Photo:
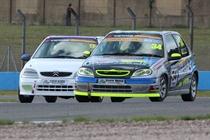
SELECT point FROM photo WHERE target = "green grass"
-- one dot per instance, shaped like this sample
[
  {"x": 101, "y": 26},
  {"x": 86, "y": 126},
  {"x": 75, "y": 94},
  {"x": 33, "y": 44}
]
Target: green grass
[
  {"x": 11, "y": 35},
  {"x": 113, "y": 120},
  {"x": 35, "y": 34},
  {"x": 65, "y": 121},
  {"x": 6, "y": 122},
  {"x": 9, "y": 100}
]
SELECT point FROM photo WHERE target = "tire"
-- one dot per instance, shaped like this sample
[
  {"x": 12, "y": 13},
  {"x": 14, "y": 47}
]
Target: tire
[
  {"x": 96, "y": 99},
  {"x": 25, "y": 98},
  {"x": 82, "y": 99},
  {"x": 117, "y": 99},
  {"x": 51, "y": 99},
  {"x": 163, "y": 90},
  {"x": 193, "y": 90}
]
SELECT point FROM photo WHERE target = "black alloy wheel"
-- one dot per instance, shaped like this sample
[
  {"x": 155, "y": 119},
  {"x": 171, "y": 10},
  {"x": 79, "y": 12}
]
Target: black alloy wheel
[
  {"x": 82, "y": 99},
  {"x": 117, "y": 99},
  {"x": 96, "y": 99},
  {"x": 163, "y": 90},
  {"x": 193, "y": 90},
  {"x": 25, "y": 98},
  {"x": 51, "y": 99}
]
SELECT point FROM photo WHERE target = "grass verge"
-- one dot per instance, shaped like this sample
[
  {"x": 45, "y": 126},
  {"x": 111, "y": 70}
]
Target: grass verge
[
  {"x": 9, "y": 100},
  {"x": 112, "y": 120}
]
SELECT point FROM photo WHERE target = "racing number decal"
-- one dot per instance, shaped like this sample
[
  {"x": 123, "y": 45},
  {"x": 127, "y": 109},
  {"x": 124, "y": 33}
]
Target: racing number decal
[
  {"x": 157, "y": 46},
  {"x": 174, "y": 77}
]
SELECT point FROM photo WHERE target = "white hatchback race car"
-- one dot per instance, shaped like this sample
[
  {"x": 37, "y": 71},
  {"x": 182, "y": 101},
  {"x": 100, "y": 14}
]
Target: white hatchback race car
[{"x": 51, "y": 70}]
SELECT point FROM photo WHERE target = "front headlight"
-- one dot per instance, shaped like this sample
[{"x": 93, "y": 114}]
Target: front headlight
[
  {"x": 85, "y": 72},
  {"x": 142, "y": 72},
  {"x": 29, "y": 73}
]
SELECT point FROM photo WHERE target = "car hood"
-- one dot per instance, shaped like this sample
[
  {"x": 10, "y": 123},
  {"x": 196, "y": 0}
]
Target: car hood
[
  {"x": 121, "y": 62},
  {"x": 64, "y": 65}
]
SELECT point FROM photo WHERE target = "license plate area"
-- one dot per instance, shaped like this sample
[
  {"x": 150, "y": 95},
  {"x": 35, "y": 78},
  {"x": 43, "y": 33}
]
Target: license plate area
[
  {"x": 54, "y": 82},
  {"x": 111, "y": 81}
]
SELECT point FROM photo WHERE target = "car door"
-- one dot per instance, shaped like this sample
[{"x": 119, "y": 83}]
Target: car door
[
  {"x": 172, "y": 66},
  {"x": 184, "y": 66}
]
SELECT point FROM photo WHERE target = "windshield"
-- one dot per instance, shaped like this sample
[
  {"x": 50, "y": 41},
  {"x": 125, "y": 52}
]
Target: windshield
[
  {"x": 65, "y": 48},
  {"x": 138, "y": 45}
]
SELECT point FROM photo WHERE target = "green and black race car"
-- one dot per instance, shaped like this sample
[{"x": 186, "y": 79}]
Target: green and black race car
[{"x": 128, "y": 64}]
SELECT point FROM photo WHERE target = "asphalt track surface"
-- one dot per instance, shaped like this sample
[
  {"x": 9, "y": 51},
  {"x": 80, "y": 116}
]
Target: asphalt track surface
[{"x": 40, "y": 110}]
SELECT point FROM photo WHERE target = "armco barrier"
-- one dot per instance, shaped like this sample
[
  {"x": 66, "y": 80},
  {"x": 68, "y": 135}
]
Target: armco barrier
[
  {"x": 204, "y": 80},
  {"x": 10, "y": 80}
]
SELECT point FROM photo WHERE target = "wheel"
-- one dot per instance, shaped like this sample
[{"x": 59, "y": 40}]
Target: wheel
[
  {"x": 117, "y": 99},
  {"x": 96, "y": 99},
  {"x": 50, "y": 99},
  {"x": 193, "y": 90},
  {"x": 66, "y": 97},
  {"x": 163, "y": 90},
  {"x": 82, "y": 99},
  {"x": 25, "y": 98}
]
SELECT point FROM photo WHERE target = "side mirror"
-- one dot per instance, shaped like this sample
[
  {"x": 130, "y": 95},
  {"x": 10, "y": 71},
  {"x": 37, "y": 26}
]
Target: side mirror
[
  {"x": 25, "y": 57},
  {"x": 175, "y": 56},
  {"x": 86, "y": 54}
]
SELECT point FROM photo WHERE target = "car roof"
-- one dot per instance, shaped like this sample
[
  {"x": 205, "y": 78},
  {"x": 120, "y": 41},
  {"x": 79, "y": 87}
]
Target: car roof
[
  {"x": 143, "y": 32},
  {"x": 74, "y": 37}
]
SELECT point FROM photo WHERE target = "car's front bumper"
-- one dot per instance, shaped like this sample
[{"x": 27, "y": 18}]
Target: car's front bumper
[
  {"x": 37, "y": 87},
  {"x": 134, "y": 87}
]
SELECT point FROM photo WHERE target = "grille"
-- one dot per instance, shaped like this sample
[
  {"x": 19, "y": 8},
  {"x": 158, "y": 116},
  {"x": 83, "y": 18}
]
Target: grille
[
  {"x": 111, "y": 88},
  {"x": 112, "y": 72},
  {"x": 54, "y": 88},
  {"x": 58, "y": 74}
]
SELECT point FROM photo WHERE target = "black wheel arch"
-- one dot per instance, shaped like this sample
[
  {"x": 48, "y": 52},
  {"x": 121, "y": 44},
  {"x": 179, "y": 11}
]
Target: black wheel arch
[{"x": 197, "y": 75}]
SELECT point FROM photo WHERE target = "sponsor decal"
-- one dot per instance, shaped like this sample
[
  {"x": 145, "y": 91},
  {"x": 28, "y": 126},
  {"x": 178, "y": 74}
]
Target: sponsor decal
[
  {"x": 123, "y": 35},
  {"x": 159, "y": 63},
  {"x": 181, "y": 63},
  {"x": 82, "y": 40},
  {"x": 141, "y": 62},
  {"x": 157, "y": 41},
  {"x": 122, "y": 39},
  {"x": 148, "y": 36}
]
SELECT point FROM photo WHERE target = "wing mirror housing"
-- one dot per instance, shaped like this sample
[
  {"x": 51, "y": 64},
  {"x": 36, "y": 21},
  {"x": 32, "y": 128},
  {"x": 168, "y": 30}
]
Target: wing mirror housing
[
  {"x": 175, "y": 56},
  {"x": 25, "y": 57}
]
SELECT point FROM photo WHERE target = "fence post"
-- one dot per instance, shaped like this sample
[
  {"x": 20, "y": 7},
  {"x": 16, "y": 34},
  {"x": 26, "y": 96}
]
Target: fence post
[
  {"x": 114, "y": 13},
  {"x": 23, "y": 33},
  {"x": 191, "y": 25},
  {"x": 134, "y": 18},
  {"x": 77, "y": 21},
  {"x": 8, "y": 58}
]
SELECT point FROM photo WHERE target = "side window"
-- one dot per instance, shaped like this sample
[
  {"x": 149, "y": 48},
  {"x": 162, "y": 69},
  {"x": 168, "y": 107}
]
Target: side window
[
  {"x": 43, "y": 50},
  {"x": 171, "y": 45},
  {"x": 181, "y": 44}
]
